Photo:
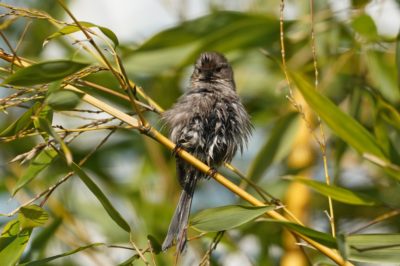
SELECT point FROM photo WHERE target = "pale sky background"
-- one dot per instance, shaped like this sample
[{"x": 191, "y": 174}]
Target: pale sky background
[
  {"x": 135, "y": 20},
  {"x": 140, "y": 19}
]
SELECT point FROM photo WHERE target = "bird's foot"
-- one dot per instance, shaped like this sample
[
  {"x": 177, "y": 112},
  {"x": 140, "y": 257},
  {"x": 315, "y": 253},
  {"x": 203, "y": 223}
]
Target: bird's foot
[
  {"x": 211, "y": 173},
  {"x": 176, "y": 149}
]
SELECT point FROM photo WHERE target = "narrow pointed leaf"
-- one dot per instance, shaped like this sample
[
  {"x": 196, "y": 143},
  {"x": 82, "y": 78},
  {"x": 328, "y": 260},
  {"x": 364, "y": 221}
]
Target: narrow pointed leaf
[
  {"x": 22, "y": 123},
  {"x": 343, "y": 125},
  {"x": 46, "y": 113},
  {"x": 372, "y": 248},
  {"x": 13, "y": 242},
  {"x": 44, "y": 261},
  {"x": 365, "y": 26},
  {"x": 53, "y": 87},
  {"x": 382, "y": 73},
  {"x": 63, "y": 100},
  {"x": 226, "y": 217},
  {"x": 338, "y": 193},
  {"x": 74, "y": 28},
  {"x": 114, "y": 214},
  {"x": 398, "y": 59},
  {"x": 320, "y": 237},
  {"x": 389, "y": 113},
  {"x": 179, "y": 46},
  {"x": 208, "y": 30},
  {"x": 130, "y": 260},
  {"x": 110, "y": 34},
  {"x": 44, "y": 72},
  {"x": 41, "y": 162},
  {"x": 155, "y": 245},
  {"x": 32, "y": 216},
  {"x": 45, "y": 126}
]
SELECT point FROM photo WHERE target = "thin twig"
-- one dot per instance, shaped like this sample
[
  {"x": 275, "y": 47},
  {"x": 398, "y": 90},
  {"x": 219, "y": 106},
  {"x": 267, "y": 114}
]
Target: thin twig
[
  {"x": 151, "y": 252},
  {"x": 115, "y": 93},
  {"x": 260, "y": 191},
  {"x": 122, "y": 78},
  {"x": 264, "y": 194},
  {"x": 131, "y": 92},
  {"x": 49, "y": 190},
  {"x": 321, "y": 143},
  {"x": 378, "y": 219},
  {"x": 140, "y": 253},
  {"x": 11, "y": 49},
  {"x": 213, "y": 245},
  {"x": 283, "y": 53},
  {"x": 20, "y": 41},
  {"x": 81, "y": 162},
  {"x": 92, "y": 42},
  {"x": 290, "y": 96}
]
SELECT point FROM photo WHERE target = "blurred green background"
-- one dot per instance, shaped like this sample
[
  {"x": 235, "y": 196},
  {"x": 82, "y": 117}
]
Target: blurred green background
[{"x": 358, "y": 70}]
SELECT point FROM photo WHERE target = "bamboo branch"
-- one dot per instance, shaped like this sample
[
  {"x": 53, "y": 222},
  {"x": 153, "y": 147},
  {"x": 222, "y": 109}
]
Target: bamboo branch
[{"x": 154, "y": 134}]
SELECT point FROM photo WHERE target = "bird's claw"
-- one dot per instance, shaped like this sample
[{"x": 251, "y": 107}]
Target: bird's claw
[
  {"x": 176, "y": 149},
  {"x": 211, "y": 173}
]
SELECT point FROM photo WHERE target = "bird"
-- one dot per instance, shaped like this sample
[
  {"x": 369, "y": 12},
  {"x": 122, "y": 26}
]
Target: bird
[{"x": 210, "y": 122}]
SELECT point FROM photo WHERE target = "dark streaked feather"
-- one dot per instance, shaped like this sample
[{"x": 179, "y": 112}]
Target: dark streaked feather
[{"x": 210, "y": 122}]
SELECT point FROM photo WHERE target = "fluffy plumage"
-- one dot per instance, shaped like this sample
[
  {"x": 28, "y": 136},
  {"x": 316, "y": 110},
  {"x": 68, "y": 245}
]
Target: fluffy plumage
[{"x": 210, "y": 122}]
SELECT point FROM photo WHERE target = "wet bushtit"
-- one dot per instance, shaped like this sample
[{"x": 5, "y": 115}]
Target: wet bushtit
[{"x": 210, "y": 122}]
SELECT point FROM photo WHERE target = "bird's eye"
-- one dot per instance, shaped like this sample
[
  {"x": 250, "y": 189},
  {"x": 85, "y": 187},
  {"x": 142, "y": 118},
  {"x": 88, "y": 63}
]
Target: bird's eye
[{"x": 218, "y": 69}]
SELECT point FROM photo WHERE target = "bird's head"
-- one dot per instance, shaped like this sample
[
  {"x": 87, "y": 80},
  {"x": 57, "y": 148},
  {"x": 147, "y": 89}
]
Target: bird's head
[{"x": 212, "y": 67}]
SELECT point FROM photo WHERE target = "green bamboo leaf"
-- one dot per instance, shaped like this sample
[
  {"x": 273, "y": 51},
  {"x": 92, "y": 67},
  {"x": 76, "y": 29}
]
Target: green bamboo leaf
[
  {"x": 110, "y": 34},
  {"x": 13, "y": 242},
  {"x": 22, "y": 123},
  {"x": 386, "y": 114},
  {"x": 382, "y": 73},
  {"x": 65, "y": 254},
  {"x": 398, "y": 59},
  {"x": 346, "y": 127},
  {"x": 226, "y": 217},
  {"x": 372, "y": 248},
  {"x": 365, "y": 26},
  {"x": 385, "y": 140},
  {"x": 44, "y": 72},
  {"x": 114, "y": 214},
  {"x": 155, "y": 245},
  {"x": 44, "y": 125},
  {"x": 276, "y": 146},
  {"x": 130, "y": 260},
  {"x": 63, "y": 100},
  {"x": 32, "y": 216},
  {"x": 180, "y": 45},
  {"x": 389, "y": 113},
  {"x": 53, "y": 87},
  {"x": 321, "y": 237},
  {"x": 41, "y": 162},
  {"x": 74, "y": 28},
  {"x": 338, "y": 193},
  {"x": 211, "y": 29},
  {"x": 46, "y": 113}
]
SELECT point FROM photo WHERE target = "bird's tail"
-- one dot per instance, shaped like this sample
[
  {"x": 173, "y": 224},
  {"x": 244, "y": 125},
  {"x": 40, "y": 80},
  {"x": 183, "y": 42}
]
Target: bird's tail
[{"x": 178, "y": 226}]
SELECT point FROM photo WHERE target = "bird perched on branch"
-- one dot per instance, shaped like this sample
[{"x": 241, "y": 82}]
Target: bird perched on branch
[{"x": 210, "y": 122}]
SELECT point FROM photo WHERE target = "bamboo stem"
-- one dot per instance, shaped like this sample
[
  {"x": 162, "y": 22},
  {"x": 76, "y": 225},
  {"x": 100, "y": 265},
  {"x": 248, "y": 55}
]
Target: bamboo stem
[{"x": 154, "y": 134}]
